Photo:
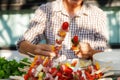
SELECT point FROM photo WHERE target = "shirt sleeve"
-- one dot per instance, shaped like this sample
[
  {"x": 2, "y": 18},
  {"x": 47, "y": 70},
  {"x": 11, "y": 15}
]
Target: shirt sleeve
[
  {"x": 101, "y": 35},
  {"x": 35, "y": 32}
]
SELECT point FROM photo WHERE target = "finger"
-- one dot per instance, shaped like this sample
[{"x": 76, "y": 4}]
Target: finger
[
  {"x": 45, "y": 53},
  {"x": 84, "y": 47},
  {"x": 85, "y": 56},
  {"x": 80, "y": 54},
  {"x": 45, "y": 47}
]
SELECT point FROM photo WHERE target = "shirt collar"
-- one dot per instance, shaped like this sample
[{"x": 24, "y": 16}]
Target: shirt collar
[
  {"x": 83, "y": 10},
  {"x": 60, "y": 8}
]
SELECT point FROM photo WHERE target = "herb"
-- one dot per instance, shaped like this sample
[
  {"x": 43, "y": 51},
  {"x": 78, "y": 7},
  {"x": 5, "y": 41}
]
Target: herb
[{"x": 8, "y": 68}]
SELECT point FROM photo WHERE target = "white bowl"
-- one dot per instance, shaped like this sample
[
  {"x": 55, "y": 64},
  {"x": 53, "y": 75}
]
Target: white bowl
[{"x": 108, "y": 58}]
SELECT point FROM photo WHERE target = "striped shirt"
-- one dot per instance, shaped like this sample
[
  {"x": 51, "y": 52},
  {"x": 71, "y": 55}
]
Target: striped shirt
[{"x": 89, "y": 24}]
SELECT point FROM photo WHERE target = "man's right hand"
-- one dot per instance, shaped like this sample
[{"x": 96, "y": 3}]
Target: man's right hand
[
  {"x": 45, "y": 50},
  {"x": 39, "y": 49}
]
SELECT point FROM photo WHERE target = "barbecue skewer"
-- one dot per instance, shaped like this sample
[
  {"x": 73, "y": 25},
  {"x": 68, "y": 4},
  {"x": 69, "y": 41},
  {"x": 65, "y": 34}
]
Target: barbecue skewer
[
  {"x": 103, "y": 70},
  {"x": 108, "y": 74}
]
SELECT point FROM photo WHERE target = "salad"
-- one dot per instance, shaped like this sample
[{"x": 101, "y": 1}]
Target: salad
[
  {"x": 10, "y": 67},
  {"x": 43, "y": 68}
]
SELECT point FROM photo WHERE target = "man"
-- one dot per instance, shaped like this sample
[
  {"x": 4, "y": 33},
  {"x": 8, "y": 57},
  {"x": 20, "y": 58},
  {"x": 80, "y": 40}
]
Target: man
[{"x": 86, "y": 21}]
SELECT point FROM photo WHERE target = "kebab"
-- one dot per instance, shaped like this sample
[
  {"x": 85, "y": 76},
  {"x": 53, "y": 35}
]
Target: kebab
[
  {"x": 63, "y": 71},
  {"x": 75, "y": 44},
  {"x": 40, "y": 63},
  {"x": 42, "y": 66},
  {"x": 60, "y": 37}
]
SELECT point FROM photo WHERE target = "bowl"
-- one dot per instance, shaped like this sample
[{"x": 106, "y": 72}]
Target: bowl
[{"x": 108, "y": 58}]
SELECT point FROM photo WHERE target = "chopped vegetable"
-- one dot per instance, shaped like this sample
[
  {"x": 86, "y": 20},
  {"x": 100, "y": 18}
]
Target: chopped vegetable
[{"x": 8, "y": 68}]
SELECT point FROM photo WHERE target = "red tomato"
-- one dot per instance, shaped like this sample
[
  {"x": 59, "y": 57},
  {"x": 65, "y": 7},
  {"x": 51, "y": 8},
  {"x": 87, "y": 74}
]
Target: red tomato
[
  {"x": 26, "y": 76},
  {"x": 79, "y": 73},
  {"x": 34, "y": 78},
  {"x": 65, "y": 26},
  {"x": 53, "y": 71},
  {"x": 74, "y": 63},
  {"x": 75, "y": 39},
  {"x": 30, "y": 71},
  {"x": 89, "y": 69},
  {"x": 59, "y": 41},
  {"x": 66, "y": 69},
  {"x": 59, "y": 74},
  {"x": 81, "y": 78},
  {"x": 89, "y": 76}
]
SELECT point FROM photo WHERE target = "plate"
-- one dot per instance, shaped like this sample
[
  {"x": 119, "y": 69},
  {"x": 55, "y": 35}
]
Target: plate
[{"x": 108, "y": 58}]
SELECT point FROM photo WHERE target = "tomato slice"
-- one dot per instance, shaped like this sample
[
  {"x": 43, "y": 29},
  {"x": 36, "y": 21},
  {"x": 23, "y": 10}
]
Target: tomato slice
[
  {"x": 66, "y": 69},
  {"x": 26, "y": 76}
]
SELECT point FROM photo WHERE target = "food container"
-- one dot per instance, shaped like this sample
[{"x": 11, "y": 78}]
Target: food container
[{"x": 108, "y": 58}]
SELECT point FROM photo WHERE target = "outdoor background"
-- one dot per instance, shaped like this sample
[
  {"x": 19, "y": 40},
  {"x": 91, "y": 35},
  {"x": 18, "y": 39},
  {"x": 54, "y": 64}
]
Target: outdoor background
[{"x": 15, "y": 16}]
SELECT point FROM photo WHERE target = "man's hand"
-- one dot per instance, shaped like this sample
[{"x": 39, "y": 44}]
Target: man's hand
[
  {"x": 85, "y": 51},
  {"x": 39, "y": 49},
  {"x": 45, "y": 50}
]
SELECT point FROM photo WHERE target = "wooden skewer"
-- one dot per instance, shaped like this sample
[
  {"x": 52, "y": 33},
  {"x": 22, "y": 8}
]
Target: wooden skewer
[
  {"x": 22, "y": 70},
  {"x": 108, "y": 74},
  {"x": 30, "y": 54},
  {"x": 93, "y": 71},
  {"x": 99, "y": 71},
  {"x": 56, "y": 78},
  {"x": 16, "y": 78},
  {"x": 105, "y": 79},
  {"x": 83, "y": 74},
  {"x": 105, "y": 69},
  {"x": 25, "y": 63},
  {"x": 45, "y": 60}
]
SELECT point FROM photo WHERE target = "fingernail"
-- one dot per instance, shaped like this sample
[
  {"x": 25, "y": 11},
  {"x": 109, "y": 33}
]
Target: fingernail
[
  {"x": 52, "y": 54},
  {"x": 79, "y": 55},
  {"x": 37, "y": 50}
]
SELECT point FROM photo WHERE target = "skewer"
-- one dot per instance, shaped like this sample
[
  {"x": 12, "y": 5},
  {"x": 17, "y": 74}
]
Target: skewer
[
  {"x": 28, "y": 64},
  {"x": 45, "y": 61},
  {"x": 56, "y": 47},
  {"x": 30, "y": 54},
  {"x": 75, "y": 45},
  {"x": 93, "y": 71},
  {"x": 108, "y": 74},
  {"x": 103, "y": 70},
  {"x": 83, "y": 75},
  {"x": 22, "y": 70},
  {"x": 107, "y": 69},
  {"x": 105, "y": 79},
  {"x": 16, "y": 78}
]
